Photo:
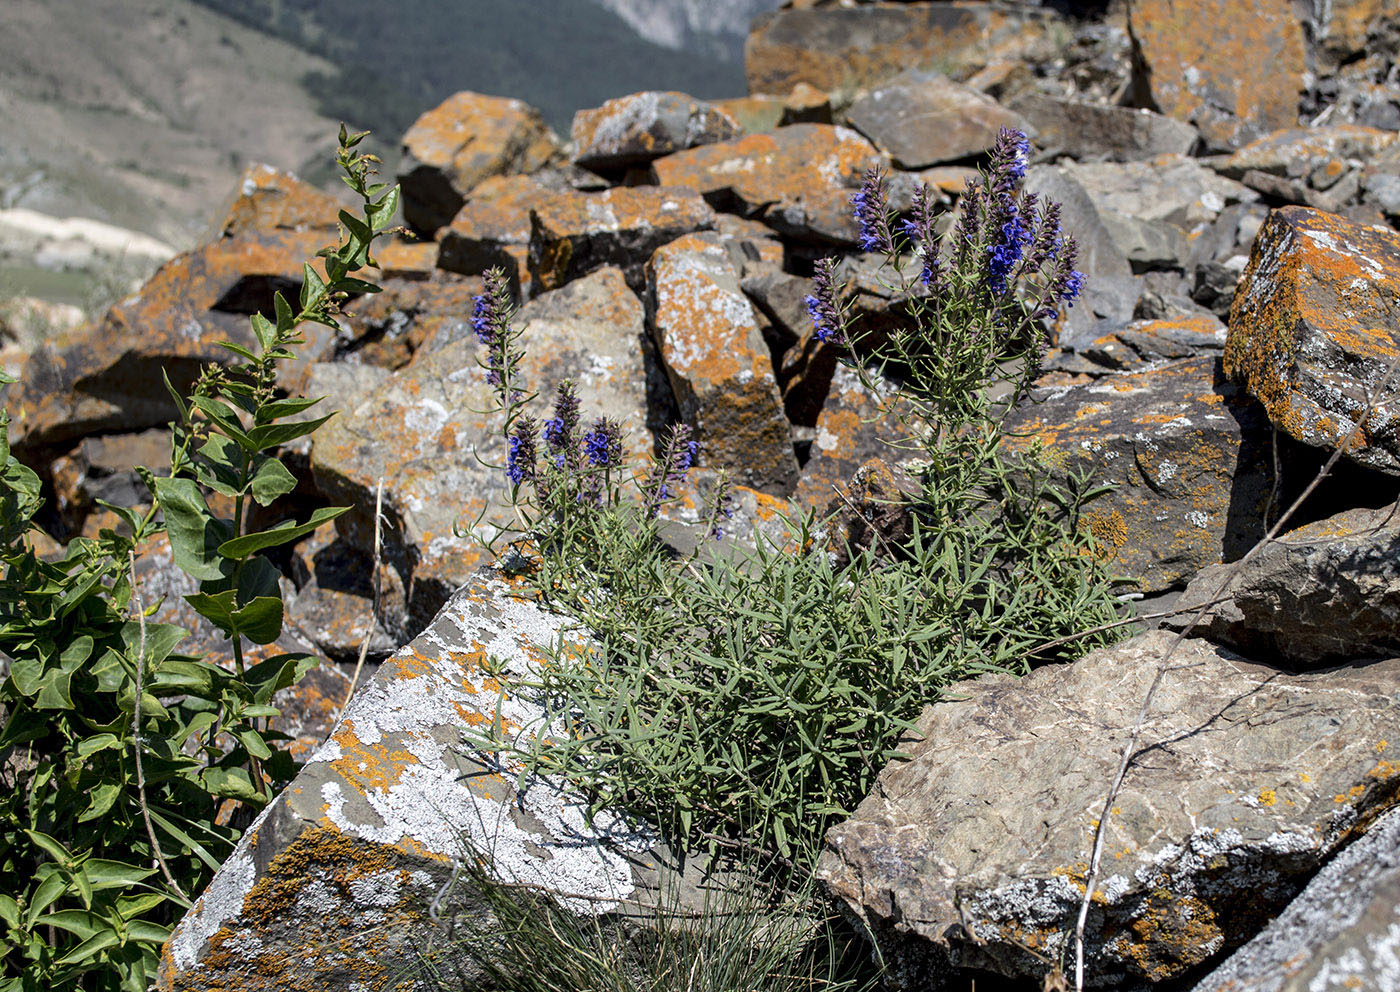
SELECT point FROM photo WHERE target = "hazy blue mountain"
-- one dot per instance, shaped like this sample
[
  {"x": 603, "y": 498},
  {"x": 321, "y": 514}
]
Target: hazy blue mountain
[{"x": 559, "y": 55}]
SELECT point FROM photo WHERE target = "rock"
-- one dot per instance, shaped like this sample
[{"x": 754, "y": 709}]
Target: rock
[
  {"x": 870, "y": 512},
  {"x": 1340, "y": 29},
  {"x": 389, "y": 328},
  {"x": 492, "y": 228},
  {"x": 338, "y": 874},
  {"x": 802, "y": 364},
  {"x": 1170, "y": 188},
  {"x": 798, "y": 180},
  {"x": 104, "y": 468},
  {"x": 108, "y": 378},
  {"x": 27, "y": 321},
  {"x": 333, "y": 605},
  {"x": 1188, "y": 451},
  {"x": 1337, "y": 934},
  {"x": 752, "y": 245},
  {"x": 852, "y": 430},
  {"x": 1099, "y": 255},
  {"x": 1192, "y": 51},
  {"x": 405, "y": 257},
  {"x": 718, "y": 364},
  {"x": 1305, "y": 152},
  {"x": 1321, "y": 594},
  {"x": 922, "y": 119},
  {"x": 975, "y": 850},
  {"x": 804, "y": 105},
  {"x": 633, "y": 130},
  {"x": 1145, "y": 244},
  {"x": 422, "y": 433},
  {"x": 839, "y": 49},
  {"x": 1141, "y": 344},
  {"x": 1087, "y": 131},
  {"x": 1312, "y": 333},
  {"x": 269, "y": 199},
  {"x": 466, "y": 139},
  {"x": 574, "y": 233}
]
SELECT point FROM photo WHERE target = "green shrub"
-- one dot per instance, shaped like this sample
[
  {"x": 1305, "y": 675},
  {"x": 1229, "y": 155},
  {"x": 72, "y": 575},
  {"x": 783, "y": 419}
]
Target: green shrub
[
  {"x": 751, "y": 699},
  {"x": 117, "y": 751}
]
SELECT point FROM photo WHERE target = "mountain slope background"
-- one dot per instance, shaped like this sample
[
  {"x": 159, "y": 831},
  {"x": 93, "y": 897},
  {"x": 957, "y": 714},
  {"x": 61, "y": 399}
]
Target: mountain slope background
[{"x": 558, "y": 55}]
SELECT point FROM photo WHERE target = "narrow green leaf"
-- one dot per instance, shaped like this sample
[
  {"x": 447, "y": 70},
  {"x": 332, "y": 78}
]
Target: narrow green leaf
[
  {"x": 263, "y": 331},
  {"x": 91, "y": 947},
  {"x": 104, "y": 873},
  {"x": 271, "y": 435},
  {"x": 277, "y": 409}
]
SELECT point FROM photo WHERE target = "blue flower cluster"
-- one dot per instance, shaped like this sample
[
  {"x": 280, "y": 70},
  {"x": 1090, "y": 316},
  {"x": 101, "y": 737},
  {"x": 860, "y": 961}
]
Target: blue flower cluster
[
  {"x": 873, "y": 213},
  {"x": 520, "y": 451}
]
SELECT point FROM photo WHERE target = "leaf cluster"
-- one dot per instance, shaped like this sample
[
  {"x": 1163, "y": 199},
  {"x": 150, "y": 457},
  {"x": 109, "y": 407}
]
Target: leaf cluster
[{"x": 125, "y": 765}]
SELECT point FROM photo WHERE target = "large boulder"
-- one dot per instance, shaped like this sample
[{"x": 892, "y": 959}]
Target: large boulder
[
  {"x": 1192, "y": 51},
  {"x": 333, "y": 886},
  {"x": 1338, "y": 934},
  {"x": 1188, "y": 453},
  {"x": 1301, "y": 152},
  {"x": 848, "y": 48},
  {"x": 108, "y": 377},
  {"x": 974, "y": 851},
  {"x": 1323, "y": 593},
  {"x": 432, "y": 432},
  {"x": 1313, "y": 332},
  {"x": 574, "y": 233},
  {"x": 798, "y": 179},
  {"x": 923, "y": 119},
  {"x": 633, "y": 130},
  {"x": 466, "y": 139},
  {"x": 718, "y": 365}
]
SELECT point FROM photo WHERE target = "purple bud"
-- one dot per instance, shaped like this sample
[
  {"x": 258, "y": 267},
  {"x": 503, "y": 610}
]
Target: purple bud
[
  {"x": 873, "y": 213},
  {"x": 520, "y": 451}
]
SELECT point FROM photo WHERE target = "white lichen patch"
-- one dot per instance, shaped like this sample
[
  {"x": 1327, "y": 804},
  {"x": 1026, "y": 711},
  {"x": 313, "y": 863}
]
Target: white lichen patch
[{"x": 222, "y": 900}]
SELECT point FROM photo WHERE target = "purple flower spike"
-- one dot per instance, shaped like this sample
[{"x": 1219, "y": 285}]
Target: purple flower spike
[
  {"x": 1009, "y": 158},
  {"x": 669, "y": 469},
  {"x": 922, "y": 235},
  {"x": 520, "y": 453},
  {"x": 603, "y": 444},
  {"x": 827, "y": 319},
  {"x": 873, "y": 213}
]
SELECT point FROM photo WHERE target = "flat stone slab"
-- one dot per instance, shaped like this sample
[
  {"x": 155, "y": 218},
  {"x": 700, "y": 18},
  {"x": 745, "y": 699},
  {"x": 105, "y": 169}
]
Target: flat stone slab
[
  {"x": 1341, "y": 933},
  {"x": 924, "y": 119},
  {"x": 797, "y": 179},
  {"x": 974, "y": 852},
  {"x": 1313, "y": 332},
  {"x": 334, "y": 881}
]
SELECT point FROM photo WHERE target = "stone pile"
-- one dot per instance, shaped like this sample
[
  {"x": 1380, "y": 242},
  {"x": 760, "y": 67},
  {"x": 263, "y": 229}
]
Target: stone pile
[{"x": 1238, "y": 231}]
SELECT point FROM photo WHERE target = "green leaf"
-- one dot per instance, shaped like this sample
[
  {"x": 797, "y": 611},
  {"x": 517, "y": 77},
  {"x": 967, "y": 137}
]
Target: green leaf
[
  {"x": 313, "y": 288},
  {"x": 49, "y": 891},
  {"x": 9, "y": 910},
  {"x": 180, "y": 835},
  {"x": 286, "y": 319},
  {"x": 277, "y": 409},
  {"x": 242, "y": 547},
  {"x": 175, "y": 395},
  {"x": 103, "y": 798},
  {"x": 91, "y": 947},
  {"x": 194, "y": 533},
  {"x": 263, "y": 331},
  {"x": 271, "y": 435},
  {"x": 81, "y": 922},
  {"x": 253, "y": 741},
  {"x": 222, "y": 415},
  {"x": 129, "y": 906},
  {"x": 260, "y": 620},
  {"x": 274, "y": 674},
  {"x": 146, "y": 932},
  {"x": 55, "y": 691},
  {"x": 107, "y": 874},
  {"x": 232, "y": 783},
  {"x": 382, "y": 213},
  {"x": 270, "y": 481}
]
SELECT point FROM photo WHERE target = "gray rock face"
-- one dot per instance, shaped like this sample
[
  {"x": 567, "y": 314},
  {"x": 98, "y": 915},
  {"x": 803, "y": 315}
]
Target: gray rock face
[
  {"x": 635, "y": 129},
  {"x": 974, "y": 851},
  {"x": 924, "y": 119},
  {"x": 1099, "y": 254},
  {"x": 1188, "y": 452},
  {"x": 1342, "y": 932},
  {"x": 1321, "y": 594},
  {"x": 336, "y": 877},
  {"x": 1087, "y": 131}
]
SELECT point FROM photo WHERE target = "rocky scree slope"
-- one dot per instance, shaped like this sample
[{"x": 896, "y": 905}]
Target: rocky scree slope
[{"x": 1243, "y": 262}]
